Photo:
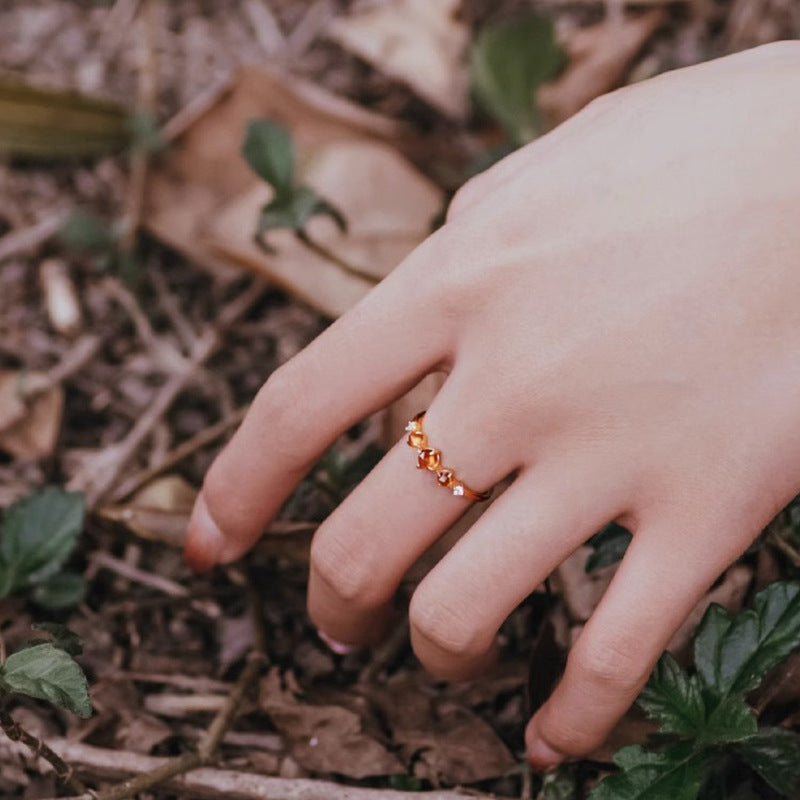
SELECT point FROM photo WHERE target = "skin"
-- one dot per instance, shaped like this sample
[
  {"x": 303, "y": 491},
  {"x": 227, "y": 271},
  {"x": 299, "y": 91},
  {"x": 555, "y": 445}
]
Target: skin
[{"x": 617, "y": 306}]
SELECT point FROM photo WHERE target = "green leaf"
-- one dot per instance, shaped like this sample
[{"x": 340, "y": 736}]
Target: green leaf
[
  {"x": 37, "y": 536},
  {"x": 559, "y": 785},
  {"x": 508, "y": 63},
  {"x": 48, "y": 673},
  {"x": 609, "y": 547},
  {"x": 731, "y": 721},
  {"x": 63, "y": 637},
  {"x": 774, "y": 754},
  {"x": 62, "y": 590},
  {"x": 294, "y": 210},
  {"x": 734, "y": 654},
  {"x": 674, "y": 699},
  {"x": 675, "y": 774},
  {"x": 82, "y": 231},
  {"x": 269, "y": 151}
]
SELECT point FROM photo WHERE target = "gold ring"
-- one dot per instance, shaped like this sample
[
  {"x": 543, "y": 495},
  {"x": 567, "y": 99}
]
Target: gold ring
[{"x": 431, "y": 459}]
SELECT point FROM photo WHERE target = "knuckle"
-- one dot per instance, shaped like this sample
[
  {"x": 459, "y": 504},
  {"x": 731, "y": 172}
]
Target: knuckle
[
  {"x": 348, "y": 574},
  {"x": 444, "y": 625},
  {"x": 609, "y": 663},
  {"x": 466, "y": 196}
]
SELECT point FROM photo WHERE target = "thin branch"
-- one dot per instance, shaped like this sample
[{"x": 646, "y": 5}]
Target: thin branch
[
  {"x": 19, "y": 242},
  {"x": 183, "y": 450},
  {"x": 146, "y": 104},
  {"x": 64, "y": 772},
  {"x": 334, "y": 258}
]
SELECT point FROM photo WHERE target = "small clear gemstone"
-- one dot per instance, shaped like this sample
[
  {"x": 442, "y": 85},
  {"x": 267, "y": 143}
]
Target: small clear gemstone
[
  {"x": 412, "y": 426},
  {"x": 458, "y": 490}
]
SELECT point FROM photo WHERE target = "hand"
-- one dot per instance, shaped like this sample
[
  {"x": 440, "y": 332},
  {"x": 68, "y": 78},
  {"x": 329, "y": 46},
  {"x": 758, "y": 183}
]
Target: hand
[{"x": 617, "y": 307}]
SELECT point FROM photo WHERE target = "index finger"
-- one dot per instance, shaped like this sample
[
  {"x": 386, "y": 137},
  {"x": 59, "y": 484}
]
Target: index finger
[{"x": 374, "y": 353}]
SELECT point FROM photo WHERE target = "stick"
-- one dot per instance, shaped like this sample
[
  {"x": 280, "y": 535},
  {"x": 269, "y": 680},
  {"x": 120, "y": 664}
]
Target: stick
[
  {"x": 64, "y": 771},
  {"x": 176, "y": 455},
  {"x": 222, "y": 784},
  {"x": 98, "y": 478},
  {"x": 19, "y": 242}
]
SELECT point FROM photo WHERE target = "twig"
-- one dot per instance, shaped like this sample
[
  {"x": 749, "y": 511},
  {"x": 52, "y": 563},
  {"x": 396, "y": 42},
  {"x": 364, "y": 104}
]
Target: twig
[
  {"x": 184, "y": 449},
  {"x": 147, "y": 100},
  {"x": 97, "y": 479},
  {"x": 223, "y": 784},
  {"x": 334, "y": 258},
  {"x": 64, "y": 772},
  {"x": 19, "y": 242}
]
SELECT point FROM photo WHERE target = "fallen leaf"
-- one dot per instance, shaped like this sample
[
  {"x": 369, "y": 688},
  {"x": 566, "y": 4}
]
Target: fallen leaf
[
  {"x": 159, "y": 511},
  {"x": 383, "y": 226},
  {"x": 204, "y": 171},
  {"x": 445, "y": 741},
  {"x": 325, "y": 738},
  {"x": 417, "y": 42},
  {"x": 30, "y": 414},
  {"x": 598, "y": 59}
]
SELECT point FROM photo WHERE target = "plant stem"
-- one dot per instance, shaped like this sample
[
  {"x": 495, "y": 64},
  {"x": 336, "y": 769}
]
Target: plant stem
[
  {"x": 336, "y": 259},
  {"x": 64, "y": 771}
]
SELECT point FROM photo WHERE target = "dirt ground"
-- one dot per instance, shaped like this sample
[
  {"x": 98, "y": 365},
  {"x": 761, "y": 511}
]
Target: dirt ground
[{"x": 171, "y": 351}]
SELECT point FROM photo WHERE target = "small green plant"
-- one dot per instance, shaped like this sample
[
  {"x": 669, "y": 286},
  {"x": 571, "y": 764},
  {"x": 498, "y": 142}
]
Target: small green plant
[
  {"x": 46, "y": 669},
  {"x": 87, "y": 235},
  {"x": 508, "y": 64},
  {"x": 37, "y": 536},
  {"x": 608, "y": 547},
  {"x": 269, "y": 151},
  {"x": 704, "y": 718}
]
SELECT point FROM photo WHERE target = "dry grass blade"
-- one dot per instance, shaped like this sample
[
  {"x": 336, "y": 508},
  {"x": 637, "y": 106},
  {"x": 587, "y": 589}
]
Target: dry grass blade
[{"x": 47, "y": 123}]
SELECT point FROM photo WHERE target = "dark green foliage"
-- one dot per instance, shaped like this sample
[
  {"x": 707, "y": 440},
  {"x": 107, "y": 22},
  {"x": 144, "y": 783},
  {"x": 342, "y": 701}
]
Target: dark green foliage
[
  {"x": 707, "y": 711},
  {"x": 269, "y": 152},
  {"x": 609, "y": 547},
  {"x": 49, "y": 673},
  {"x": 508, "y": 64},
  {"x": 38, "y": 534}
]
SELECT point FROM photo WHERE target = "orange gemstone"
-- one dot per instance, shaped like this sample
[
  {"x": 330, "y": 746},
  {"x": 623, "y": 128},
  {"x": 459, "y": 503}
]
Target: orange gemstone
[
  {"x": 417, "y": 439},
  {"x": 429, "y": 458},
  {"x": 444, "y": 476}
]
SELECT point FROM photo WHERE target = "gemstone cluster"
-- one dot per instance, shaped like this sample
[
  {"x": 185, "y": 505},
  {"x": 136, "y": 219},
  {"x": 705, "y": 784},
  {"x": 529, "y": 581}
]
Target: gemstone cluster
[{"x": 430, "y": 458}]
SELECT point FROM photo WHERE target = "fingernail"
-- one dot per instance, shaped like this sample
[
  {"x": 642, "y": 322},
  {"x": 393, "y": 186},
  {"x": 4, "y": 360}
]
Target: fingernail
[
  {"x": 339, "y": 648},
  {"x": 542, "y": 757},
  {"x": 204, "y": 540}
]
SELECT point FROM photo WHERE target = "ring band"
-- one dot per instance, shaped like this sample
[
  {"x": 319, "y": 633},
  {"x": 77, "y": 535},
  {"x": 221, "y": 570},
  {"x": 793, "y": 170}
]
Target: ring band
[{"x": 431, "y": 459}]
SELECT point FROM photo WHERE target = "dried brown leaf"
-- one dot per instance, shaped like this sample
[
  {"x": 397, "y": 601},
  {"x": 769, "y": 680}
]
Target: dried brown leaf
[
  {"x": 599, "y": 58},
  {"x": 30, "y": 415},
  {"x": 418, "y": 42},
  {"x": 325, "y": 738}
]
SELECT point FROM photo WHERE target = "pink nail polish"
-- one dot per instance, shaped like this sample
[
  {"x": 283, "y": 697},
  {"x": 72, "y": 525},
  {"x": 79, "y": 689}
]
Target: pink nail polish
[
  {"x": 542, "y": 757},
  {"x": 339, "y": 648}
]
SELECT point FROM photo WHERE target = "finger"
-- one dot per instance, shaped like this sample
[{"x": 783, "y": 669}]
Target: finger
[
  {"x": 361, "y": 553},
  {"x": 374, "y": 353},
  {"x": 547, "y": 513},
  {"x": 662, "y": 577}
]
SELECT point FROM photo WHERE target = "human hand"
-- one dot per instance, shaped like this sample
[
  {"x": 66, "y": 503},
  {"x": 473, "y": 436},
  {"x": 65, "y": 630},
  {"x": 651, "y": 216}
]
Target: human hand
[{"x": 616, "y": 306}]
